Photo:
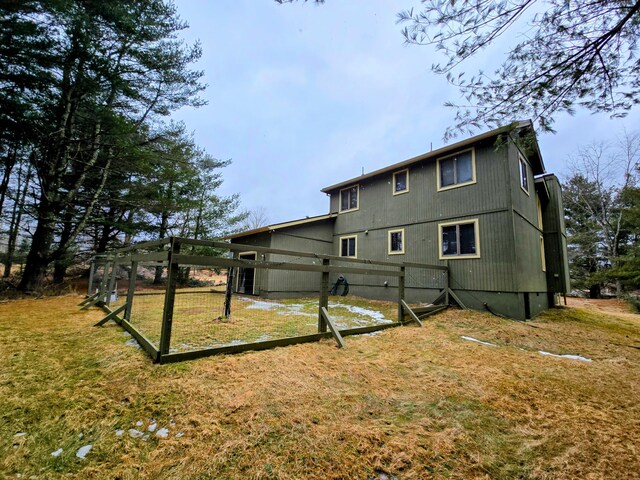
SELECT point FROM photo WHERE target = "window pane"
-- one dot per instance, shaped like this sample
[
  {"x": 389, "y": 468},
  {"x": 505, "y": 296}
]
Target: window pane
[
  {"x": 524, "y": 180},
  {"x": 352, "y": 247},
  {"x": 449, "y": 241},
  {"x": 353, "y": 201},
  {"x": 396, "y": 242},
  {"x": 467, "y": 239},
  {"x": 447, "y": 176},
  {"x": 464, "y": 169},
  {"x": 401, "y": 182},
  {"x": 344, "y": 247},
  {"x": 344, "y": 200}
]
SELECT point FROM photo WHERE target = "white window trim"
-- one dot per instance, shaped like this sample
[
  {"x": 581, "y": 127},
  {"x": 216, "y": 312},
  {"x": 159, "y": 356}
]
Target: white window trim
[
  {"x": 542, "y": 254},
  {"x": 356, "y": 246},
  {"x": 539, "y": 208},
  {"x": 476, "y": 230},
  {"x": 440, "y": 188},
  {"x": 393, "y": 186},
  {"x": 240, "y": 255},
  {"x": 357, "y": 197},
  {"x": 521, "y": 161},
  {"x": 389, "y": 251}
]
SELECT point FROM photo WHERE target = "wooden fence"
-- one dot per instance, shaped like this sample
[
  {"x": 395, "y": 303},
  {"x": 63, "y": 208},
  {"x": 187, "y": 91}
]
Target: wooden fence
[{"x": 175, "y": 253}]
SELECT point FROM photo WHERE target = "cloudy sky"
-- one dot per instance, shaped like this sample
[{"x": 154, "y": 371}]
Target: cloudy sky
[{"x": 303, "y": 96}]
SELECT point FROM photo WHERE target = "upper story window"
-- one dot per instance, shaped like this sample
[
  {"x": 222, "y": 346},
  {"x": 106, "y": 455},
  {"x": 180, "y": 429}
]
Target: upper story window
[
  {"x": 349, "y": 246},
  {"x": 457, "y": 170},
  {"x": 401, "y": 182},
  {"x": 524, "y": 177},
  {"x": 459, "y": 240},
  {"x": 396, "y": 242},
  {"x": 349, "y": 198}
]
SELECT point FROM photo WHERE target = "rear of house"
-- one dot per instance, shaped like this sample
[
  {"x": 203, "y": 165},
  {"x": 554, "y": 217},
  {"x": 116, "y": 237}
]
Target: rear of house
[{"x": 484, "y": 206}]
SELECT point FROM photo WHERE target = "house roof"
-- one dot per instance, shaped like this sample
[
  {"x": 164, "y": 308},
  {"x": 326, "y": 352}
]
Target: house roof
[
  {"x": 534, "y": 157},
  {"x": 280, "y": 226}
]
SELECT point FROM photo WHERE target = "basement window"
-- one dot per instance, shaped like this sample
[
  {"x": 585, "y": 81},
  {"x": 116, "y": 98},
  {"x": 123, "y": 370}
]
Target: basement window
[
  {"x": 396, "y": 242},
  {"x": 524, "y": 178},
  {"x": 401, "y": 182},
  {"x": 459, "y": 240},
  {"x": 457, "y": 170},
  {"x": 349, "y": 198},
  {"x": 349, "y": 246}
]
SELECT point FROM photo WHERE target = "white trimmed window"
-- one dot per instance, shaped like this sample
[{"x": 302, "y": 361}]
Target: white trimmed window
[
  {"x": 542, "y": 255},
  {"x": 457, "y": 170},
  {"x": 396, "y": 242},
  {"x": 401, "y": 182},
  {"x": 524, "y": 176},
  {"x": 459, "y": 240},
  {"x": 349, "y": 198},
  {"x": 349, "y": 246}
]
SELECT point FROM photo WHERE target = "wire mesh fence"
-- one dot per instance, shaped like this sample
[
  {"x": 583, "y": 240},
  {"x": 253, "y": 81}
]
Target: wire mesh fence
[{"x": 235, "y": 298}]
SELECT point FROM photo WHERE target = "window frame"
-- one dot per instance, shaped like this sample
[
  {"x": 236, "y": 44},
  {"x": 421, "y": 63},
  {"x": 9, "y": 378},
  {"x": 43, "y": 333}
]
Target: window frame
[
  {"x": 355, "y": 246},
  {"x": 476, "y": 233},
  {"x": 393, "y": 179},
  {"x": 473, "y": 180},
  {"x": 389, "y": 234},
  {"x": 543, "y": 258},
  {"x": 357, "y": 186},
  {"x": 522, "y": 163}
]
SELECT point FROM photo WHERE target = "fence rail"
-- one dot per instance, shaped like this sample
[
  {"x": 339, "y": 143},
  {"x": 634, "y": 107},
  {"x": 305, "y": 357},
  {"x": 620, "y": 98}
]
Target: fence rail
[{"x": 185, "y": 318}]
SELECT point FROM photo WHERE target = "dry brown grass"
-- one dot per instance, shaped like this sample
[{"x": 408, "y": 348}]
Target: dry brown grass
[{"x": 416, "y": 403}]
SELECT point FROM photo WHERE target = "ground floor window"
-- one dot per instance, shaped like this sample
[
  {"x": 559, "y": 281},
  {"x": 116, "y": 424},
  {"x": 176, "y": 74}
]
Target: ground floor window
[
  {"x": 459, "y": 240},
  {"x": 348, "y": 246},
  {"x": 396, "y": 242}
]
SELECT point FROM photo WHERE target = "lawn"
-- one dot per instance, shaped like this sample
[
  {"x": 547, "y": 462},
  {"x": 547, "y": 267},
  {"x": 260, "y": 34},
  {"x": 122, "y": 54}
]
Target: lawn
[{"x": 408, "y": 402}]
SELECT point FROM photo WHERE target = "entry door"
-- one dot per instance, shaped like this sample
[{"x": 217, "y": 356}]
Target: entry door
[{"x": 246, "y": 276}]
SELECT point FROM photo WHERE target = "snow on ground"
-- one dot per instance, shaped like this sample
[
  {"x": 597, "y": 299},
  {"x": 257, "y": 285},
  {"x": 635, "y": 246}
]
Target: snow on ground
[
  {"x": 572, "y": 357},
  {"x": 471, "y": 339},
  {"x": 82, "y": 451}
]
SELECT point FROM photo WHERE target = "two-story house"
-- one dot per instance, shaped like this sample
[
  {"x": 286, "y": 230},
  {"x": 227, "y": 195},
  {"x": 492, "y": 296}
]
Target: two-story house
[{"x": 484, "y": 206}]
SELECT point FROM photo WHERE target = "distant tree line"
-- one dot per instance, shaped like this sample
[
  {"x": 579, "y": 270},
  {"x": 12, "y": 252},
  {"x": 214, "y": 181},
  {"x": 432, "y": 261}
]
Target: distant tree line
[
  {"x": 602, "y": 211},
  {"x": 89, "y": 159}
]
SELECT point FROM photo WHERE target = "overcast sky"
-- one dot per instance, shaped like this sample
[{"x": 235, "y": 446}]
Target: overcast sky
[{"x": 303, "y": 96}]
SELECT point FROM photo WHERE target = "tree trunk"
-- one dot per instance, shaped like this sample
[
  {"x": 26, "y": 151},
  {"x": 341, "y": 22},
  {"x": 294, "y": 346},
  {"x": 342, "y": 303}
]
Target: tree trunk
[
  {"x": 38, "y": 258},
  {"x": 16, "y": 217}
]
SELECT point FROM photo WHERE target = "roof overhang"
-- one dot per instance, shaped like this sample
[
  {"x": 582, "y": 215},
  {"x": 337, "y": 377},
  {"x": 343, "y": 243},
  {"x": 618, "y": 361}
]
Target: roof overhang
[
  {"x": 280, "y": 226},
  {"x": 522, "y": 129}
]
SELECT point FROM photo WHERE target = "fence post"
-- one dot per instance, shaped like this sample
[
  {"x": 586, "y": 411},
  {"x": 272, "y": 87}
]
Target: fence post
[
  {"x": 447, "y": 283},
  {"x": 401, "y": 282},
  {"x": 92, "y": 270},
  {"x": 133, "y": 275},
  {"x": 169, "y": 298},
  {"x": 324, "y": 297},
  {"x": 112, "y": 282},
  {"x": 103, "y": 281}
]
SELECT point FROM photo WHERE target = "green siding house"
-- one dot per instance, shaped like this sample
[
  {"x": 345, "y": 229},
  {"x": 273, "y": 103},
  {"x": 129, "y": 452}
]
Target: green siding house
[{"x": 484, "y": 206}]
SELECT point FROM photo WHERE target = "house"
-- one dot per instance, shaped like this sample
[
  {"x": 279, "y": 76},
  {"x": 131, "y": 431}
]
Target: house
[{"x": 484, "y": 206}]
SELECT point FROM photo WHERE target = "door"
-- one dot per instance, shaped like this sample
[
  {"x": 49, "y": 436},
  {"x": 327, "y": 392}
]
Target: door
[{"x": 246, "y": 276}]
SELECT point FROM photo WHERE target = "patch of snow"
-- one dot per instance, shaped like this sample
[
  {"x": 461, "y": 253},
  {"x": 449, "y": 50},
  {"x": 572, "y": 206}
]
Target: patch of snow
[
  {"x": 572, "y": 357},
  {"x": 81, "y": 435},
  {"x": 82, "y": 451},
  {"x": 365, "y": 312},
  {"x": 263, "y": 338},
  {"x": 146, "y": 437},
  {"x": 135, "y": 433},
  {"x": 126, "y": 334},
  {"x": 119, "y": 433},
  {"x": 139, "y": 423},
  {"x": 162, "y": 433},
  {"x": 132, "y": 343},
  {"x": 152, "y": 427},
  {"x": 57, "y": 453},
  {"x": 179, "y": 435},
  {"x": 21, "y": 434},
  {"x": 236, "y": 342},
  {"x": 471, "y": 339}
]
